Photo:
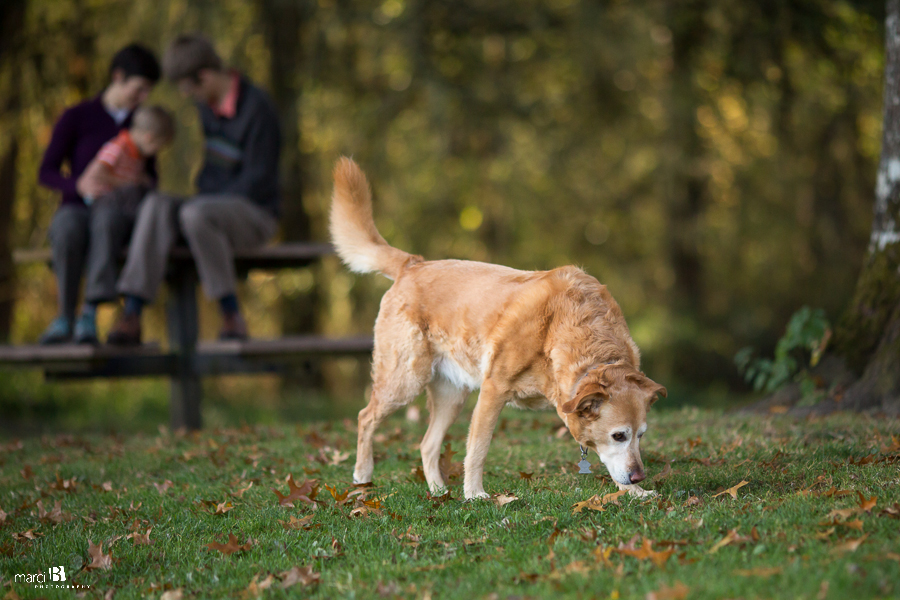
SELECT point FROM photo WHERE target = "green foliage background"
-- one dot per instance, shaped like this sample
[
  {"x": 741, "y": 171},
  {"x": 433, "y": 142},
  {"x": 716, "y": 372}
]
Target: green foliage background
[{"x": 712, "y": 162}]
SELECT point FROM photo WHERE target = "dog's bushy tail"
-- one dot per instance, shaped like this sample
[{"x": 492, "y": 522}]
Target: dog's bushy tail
[{"x": 353, "y": 231}]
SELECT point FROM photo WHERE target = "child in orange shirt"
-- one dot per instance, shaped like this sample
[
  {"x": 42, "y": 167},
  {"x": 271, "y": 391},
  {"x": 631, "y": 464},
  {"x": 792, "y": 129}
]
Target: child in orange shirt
[{"x": 122, "y": 161}]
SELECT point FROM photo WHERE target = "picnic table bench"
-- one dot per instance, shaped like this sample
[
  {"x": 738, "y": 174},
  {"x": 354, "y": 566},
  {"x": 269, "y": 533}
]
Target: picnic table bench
[{"x": 187, "y": 359}]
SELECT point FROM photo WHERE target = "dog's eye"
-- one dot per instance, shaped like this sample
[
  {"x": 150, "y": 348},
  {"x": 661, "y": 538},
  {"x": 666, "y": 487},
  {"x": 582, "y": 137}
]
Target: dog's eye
[{"x": 619, "y": 436}]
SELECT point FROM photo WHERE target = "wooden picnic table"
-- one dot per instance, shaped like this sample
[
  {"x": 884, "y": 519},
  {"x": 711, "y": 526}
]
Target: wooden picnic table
[{"x": 187, "y": 359}]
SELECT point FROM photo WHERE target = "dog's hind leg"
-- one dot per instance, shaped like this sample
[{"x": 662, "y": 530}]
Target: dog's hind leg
[
  {"x": 401, "y": 368},
  {"x": 445, "y": 400}
]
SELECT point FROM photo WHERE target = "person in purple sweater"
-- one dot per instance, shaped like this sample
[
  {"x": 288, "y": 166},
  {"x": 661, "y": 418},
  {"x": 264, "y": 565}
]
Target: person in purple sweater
[{"x": 88, "y": 240}]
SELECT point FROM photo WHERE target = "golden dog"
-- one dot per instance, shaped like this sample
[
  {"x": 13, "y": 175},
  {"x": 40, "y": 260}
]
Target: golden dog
[{"x": 532, "y": 339}]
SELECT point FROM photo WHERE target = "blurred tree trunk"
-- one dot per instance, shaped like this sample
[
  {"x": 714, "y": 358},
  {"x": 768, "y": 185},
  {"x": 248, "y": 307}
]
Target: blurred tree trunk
[
  {"x": 868, "y": 335},
  {"x": 12, "y": 23},
  {"x": 283, "y": 23}
]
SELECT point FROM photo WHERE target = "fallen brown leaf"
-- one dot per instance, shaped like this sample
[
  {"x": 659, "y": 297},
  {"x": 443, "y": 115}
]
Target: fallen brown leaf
[
  {"x": 304, "y": 575},
  {"x": 731, "y": 537},
  {"x": 866, "y": 504},
  {"x": 26, "y": 536},
  {"x": 679, "y": 591},
  {"x": 503, "y": 499},
  {"x": 295, "y": 523},
  {"x": 140, "y": 539},
  {"x": 230, "y": 547},
  {"x": 305, "y": 493},
  {"x": 54, "y": 516},
  {"x": 98, "y": 559},
  {"x": 646, "y": 551},
  {"x": 223, "y": 507},
  {"x": 163, "y": 487},
  {"x": 850, "y": 545},
  {"x": 449, "y": 469},
  {"x": 175, "y": 594},
  {"x": 732, "y": 491}
]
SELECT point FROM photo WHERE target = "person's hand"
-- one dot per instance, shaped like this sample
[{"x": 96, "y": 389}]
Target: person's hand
[{"x": 89, "y": 188}]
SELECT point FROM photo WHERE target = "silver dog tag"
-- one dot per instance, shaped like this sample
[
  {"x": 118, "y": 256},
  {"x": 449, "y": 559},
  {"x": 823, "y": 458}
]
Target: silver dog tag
[{"x": 584, "y": 466}]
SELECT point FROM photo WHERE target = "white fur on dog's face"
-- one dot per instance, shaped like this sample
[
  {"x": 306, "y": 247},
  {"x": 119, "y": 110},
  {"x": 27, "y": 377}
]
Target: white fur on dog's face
[
  {"x": 622, "y": 457},
  {"x": 616, "y": 442}
]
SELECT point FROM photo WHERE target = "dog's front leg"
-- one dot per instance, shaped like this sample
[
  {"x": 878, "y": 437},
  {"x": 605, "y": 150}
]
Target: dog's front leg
[
  {"x": 636, "y": 490},
  {"x": 484, "y": 419}
]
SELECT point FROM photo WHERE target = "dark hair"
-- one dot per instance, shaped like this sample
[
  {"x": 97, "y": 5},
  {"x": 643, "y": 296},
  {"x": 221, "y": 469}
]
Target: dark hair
[
  {"x": 135, "y": 59},
  {"x": 189, "y": 54}
]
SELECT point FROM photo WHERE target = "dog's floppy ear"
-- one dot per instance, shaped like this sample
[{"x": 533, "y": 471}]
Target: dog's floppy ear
[
  {"x": 649, "y": 386},
  {"x": 587, "y": 401}
]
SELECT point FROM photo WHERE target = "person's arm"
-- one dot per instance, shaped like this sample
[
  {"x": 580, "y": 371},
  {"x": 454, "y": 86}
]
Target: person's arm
[
  {"x": 58, "y": 151},
  {"x": 260, "y": 157},
  {"x": 96, "y": 180}
]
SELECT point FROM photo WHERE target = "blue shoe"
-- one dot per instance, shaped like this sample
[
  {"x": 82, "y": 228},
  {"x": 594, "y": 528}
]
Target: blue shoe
[
  {"x": 58, "y": 332},
  {"x": 86, "y": 329}
]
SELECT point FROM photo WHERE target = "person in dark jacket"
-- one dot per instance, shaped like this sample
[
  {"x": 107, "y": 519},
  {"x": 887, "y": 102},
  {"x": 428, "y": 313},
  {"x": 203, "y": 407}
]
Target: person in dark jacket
[
  {"x": 236, "y": 207},
  {"x": 89, "y": 241}
]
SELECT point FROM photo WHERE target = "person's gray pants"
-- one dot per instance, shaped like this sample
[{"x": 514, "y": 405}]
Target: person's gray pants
[
  {"x": 92, "y": 240},
  {"x": 215, "y": 226}
]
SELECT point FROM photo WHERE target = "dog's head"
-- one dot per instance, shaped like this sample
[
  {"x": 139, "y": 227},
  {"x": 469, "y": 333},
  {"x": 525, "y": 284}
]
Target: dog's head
[{"x": 608, "y": 413}]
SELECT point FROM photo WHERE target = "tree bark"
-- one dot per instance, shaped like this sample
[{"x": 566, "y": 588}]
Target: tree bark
[
  {"x": 283, "y": 22},
  {"x": 12, "y": 23},
  {"x": 868, "y": 334}
]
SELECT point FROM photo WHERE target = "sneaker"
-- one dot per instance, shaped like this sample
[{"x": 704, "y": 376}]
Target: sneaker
[
  {"x": 58, "y": 332},
  {"x": 126, "y": 331},
  {"x": 86, "y": 330},
  {"x": 233, "y": 327}
]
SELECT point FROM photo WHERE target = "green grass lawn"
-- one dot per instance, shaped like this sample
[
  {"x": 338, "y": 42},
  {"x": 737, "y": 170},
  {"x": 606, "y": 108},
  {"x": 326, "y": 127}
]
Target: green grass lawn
[{"x": 817, "y": 518}]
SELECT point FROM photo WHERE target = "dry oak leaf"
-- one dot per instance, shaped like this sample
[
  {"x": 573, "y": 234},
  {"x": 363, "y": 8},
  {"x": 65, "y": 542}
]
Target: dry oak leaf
[
  {"x": 304, "y": 575},
  {"x": 25, "y": 536},
  {"x": 866, "y": 504},
  {"x": 240, "y": 492},
  {"x": 449, "y": 469},
  {"x": 231, "y": 547},
  {"x": 679, "y": 591},
  {"x": 732, "y": 491},
  {"x": 223, "y": 507},
  {"x": 731, "y": 537},
  {"x": 295, "y": 523},
  {"x": 256, "y": 587},
  {"x": 646, "y": 551},
  {"x": 54, "y": 516},
  {"x": 163, "y": 487},
  {"x": 306, "y": 492},
  {"x": 597, "y": 503},
  {"x": 503, "y": 499},
  {"x": 849, "y": 545},
  {"x": 98, "y": 559},
  {"x": 140, "y": 539}
]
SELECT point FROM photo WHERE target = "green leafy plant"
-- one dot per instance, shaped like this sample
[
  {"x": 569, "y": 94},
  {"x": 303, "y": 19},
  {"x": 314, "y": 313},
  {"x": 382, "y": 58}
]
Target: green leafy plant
[{"x": 799, "y": 349}]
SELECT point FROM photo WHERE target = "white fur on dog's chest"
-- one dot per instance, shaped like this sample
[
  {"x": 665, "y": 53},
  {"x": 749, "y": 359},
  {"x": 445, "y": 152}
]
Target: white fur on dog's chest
[{"x": 456, "y": 374}]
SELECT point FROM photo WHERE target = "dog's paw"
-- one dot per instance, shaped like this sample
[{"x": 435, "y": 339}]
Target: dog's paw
[
  {"x": 637, "y": 491},
  {"x": 482, "y": 495}
]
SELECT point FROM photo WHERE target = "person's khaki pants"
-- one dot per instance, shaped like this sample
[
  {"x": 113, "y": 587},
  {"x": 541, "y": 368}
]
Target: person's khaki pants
[{"x": 215, "y": 226}]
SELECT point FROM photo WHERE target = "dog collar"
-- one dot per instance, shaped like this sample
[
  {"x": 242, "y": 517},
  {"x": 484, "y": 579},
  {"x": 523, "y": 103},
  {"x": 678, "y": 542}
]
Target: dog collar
[{"x": 584, "y": 465}]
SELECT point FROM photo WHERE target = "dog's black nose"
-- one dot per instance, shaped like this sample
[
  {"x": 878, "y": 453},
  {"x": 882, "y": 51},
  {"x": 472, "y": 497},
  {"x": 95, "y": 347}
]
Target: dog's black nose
[{"x": 636, "y": 476}]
